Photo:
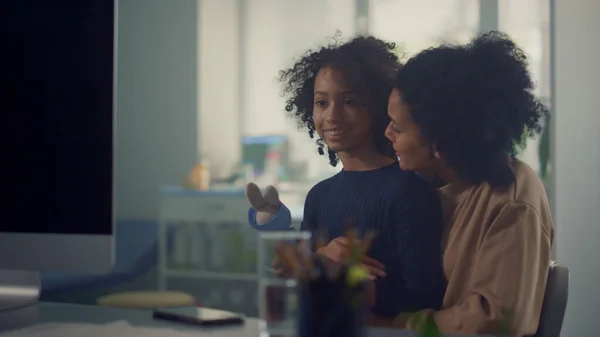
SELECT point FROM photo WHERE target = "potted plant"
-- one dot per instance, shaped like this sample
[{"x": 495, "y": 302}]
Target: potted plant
[{"x": 332, "y": 296}]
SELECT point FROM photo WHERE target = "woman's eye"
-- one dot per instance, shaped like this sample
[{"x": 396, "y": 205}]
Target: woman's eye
[{"x": 350, "y": 102}]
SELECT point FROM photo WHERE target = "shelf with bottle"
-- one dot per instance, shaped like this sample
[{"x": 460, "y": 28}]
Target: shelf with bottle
[
  {"x": 211, "y": 275},
  {"x": 231, "y": 294},
  {"x": 213, "y": 249},
  {"x": 199, "y": 177}
]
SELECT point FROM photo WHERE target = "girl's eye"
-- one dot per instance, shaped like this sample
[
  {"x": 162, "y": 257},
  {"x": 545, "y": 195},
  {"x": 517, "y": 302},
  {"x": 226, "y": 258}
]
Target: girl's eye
[{"x": 320, "y": 103}]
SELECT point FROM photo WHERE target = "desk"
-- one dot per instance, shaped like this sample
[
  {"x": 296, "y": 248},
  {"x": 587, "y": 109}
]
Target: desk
[
  {"x": 74, "y": 313},
  {"x": 46, "y": 312}
]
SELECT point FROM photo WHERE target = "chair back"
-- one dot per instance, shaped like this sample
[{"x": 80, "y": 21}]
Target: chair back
[{"x": 555, "y": 302}]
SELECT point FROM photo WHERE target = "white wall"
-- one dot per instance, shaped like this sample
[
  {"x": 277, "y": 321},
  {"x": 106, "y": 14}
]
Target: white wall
[
  {"x": 219, "y": 118},
  {"x": 264, "y": 56},
  {"x": 156, "y": 101},
  {"x": 576, "y": 158},
  {"x": 277, "y": 33}
]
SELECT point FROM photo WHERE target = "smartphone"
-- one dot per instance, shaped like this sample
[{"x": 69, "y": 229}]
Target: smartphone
[{"x": 198, "y": 316}]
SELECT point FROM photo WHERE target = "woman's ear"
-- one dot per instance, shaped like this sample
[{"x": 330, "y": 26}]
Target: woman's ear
[{"x": 435, "y": 152}]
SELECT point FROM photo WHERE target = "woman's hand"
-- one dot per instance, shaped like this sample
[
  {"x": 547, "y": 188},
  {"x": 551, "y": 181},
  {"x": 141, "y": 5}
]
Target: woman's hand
[
  {"x": 380, "y": 321},
  {"x": 279, "y": 269},
  {"x": 338, "y": 250}
]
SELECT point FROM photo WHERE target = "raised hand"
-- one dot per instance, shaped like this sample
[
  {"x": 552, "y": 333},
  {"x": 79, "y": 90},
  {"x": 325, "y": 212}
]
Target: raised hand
[
  {"x": 266, "y": 205},
  {"x": 338, "y": 250}
]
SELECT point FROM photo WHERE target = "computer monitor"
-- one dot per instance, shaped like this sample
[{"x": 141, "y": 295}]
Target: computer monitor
[
  {"x": 256, "y": 150},
  {"x": 59, "y": 70}
]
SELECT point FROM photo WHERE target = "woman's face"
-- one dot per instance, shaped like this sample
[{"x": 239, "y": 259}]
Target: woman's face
[
  {"x": 339, "y": 113},
  {"x": 412, "y": 150}
]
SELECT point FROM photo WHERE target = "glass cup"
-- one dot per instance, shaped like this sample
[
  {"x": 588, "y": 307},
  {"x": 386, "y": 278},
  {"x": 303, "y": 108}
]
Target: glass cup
[{"x": 278, "y": 298}]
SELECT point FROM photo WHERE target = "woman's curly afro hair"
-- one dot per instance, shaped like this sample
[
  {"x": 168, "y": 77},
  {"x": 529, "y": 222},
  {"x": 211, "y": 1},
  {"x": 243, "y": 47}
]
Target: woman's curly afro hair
[
  {"x": 473, "y": 102},
  {"x": 371, "y": 66}
]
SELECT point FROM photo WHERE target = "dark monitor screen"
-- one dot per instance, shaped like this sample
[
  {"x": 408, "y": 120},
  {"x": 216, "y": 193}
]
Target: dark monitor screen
[{"x": 57, "y": 108}]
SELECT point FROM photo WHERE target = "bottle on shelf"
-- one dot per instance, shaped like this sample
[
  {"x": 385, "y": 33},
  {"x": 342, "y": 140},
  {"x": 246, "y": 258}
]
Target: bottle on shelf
[
  {"x": 272, "y": 168},
  {"x": 199, "y": 177},
  {"x": 215, "y": 248},
  {"x": 249, "y": 173},
  {"x": 250, "y": 254},
  {"x": 198, "y": 247},
  {"x": 234, "y": 246},
  {"x": 180, "y": 246}
]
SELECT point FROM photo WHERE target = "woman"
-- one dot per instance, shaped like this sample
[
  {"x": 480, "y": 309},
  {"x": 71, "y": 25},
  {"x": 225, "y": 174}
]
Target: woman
[
  {"x": 458, "y": 112},
  {"x": 340, "y": 94}
]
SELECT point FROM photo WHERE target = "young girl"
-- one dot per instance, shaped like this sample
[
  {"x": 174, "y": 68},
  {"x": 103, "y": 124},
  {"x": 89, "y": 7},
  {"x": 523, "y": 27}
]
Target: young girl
[{"x": 340, "y": 94}]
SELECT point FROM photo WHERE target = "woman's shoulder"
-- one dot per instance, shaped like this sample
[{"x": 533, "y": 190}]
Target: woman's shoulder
[
  {"x": 527, "y": 187},
  {"x": 526, "y": 192},
  {"x": 530, "y": 190}
]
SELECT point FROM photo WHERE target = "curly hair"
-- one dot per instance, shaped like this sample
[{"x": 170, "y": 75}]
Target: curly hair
[
  {"x": 474, "y": 102},
  {"x": 370, "y": 65}
]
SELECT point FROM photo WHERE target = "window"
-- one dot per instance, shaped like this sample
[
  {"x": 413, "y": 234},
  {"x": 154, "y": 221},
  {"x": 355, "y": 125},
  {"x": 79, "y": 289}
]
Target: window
[
  {"x": 528, "y": 24},
  {"x": 277, "y": 32},
  {"x": 417, "y": 25}
]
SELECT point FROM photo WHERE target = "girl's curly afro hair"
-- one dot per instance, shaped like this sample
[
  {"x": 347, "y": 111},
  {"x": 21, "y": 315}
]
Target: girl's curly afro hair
[{"x": 369, "y": 63}]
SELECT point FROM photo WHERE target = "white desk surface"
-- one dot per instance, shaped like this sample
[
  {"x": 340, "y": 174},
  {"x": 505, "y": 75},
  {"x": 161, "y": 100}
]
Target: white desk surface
[{"x": 46, "y": 312}]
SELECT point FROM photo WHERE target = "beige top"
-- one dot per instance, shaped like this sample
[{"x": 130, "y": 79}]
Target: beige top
[{"x": 497, "y": 245}]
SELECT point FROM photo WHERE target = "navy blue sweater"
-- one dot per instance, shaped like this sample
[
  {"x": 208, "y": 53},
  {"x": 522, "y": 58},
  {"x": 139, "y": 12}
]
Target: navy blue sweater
[{"x": 406, "y": 213}]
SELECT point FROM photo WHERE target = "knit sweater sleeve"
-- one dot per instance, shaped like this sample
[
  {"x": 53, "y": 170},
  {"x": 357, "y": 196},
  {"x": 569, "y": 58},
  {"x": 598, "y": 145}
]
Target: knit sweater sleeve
[
  {"x": 415, "y": 222},
  {"x": 280, "y": 222}
]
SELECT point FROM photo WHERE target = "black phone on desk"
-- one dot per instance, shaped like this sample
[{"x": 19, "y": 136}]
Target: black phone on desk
[{"x": 196, "y": 315}]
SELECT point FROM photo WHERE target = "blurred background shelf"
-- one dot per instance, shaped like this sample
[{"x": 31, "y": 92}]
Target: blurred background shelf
[
  {"x": 207, "y": 248},
  {"x": 210, "y": 275}
]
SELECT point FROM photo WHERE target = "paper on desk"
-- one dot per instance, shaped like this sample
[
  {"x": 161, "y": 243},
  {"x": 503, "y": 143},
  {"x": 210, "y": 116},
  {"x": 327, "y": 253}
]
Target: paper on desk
[
  {"x": 120, "y": 328},
  {"x": 67, "y": 330}
]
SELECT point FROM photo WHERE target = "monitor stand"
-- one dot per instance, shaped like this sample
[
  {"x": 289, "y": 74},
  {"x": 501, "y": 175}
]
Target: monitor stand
[{"x": 18, "y": 288}]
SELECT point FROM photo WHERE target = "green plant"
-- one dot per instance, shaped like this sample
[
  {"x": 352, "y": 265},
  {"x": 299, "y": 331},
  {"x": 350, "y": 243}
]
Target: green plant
[
  {"x": 429, "y": 329},
  {"x": 522, "y": 143},
  {"x": 544, "y": 151},
  {"x": 544, "y": 145},
  {"x": 426, "y": 326}
]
